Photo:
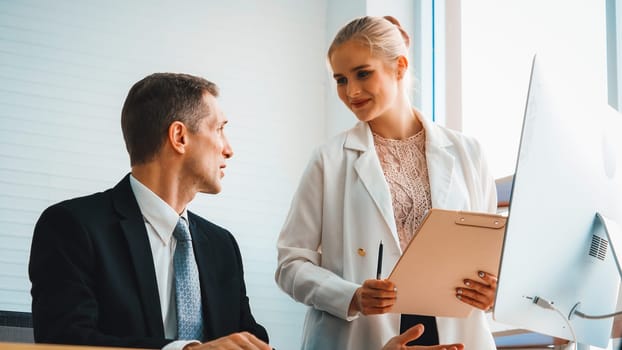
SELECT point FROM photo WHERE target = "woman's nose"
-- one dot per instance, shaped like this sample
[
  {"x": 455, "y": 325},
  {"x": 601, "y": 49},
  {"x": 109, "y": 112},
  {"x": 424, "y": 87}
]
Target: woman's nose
[{"x": 353, "y": 90}]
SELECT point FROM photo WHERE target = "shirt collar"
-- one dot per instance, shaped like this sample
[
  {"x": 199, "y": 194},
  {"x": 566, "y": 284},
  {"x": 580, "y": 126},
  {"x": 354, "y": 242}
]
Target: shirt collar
[{"x": 161, "y": 216}]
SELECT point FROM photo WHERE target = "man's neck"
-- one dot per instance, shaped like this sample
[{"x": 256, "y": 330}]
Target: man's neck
[{"x": 165, "y": 183}]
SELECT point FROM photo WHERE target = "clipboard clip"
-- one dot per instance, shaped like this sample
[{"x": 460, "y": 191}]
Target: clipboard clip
[{"x": 481, "y": 221}]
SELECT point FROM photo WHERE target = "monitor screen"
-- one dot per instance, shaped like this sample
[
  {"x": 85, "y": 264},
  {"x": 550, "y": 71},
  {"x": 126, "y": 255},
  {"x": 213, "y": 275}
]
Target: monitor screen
[{"x": 569, "y": 168}]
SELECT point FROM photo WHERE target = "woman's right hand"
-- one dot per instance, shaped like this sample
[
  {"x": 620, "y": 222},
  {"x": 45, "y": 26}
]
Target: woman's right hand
[{"x": 373, "y": 297}]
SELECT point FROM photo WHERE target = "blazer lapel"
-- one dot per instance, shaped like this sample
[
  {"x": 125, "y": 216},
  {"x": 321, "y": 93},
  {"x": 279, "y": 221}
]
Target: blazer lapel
[
  {"x": 133, "y": 227},
  {"x": 440, "y": 163},
  {"x": 369, "y": 170},
  {"x": 204, "y": 253}
]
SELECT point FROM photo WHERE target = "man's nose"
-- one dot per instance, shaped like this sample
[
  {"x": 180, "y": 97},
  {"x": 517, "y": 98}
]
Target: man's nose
[{"x": 227, "y": 150}]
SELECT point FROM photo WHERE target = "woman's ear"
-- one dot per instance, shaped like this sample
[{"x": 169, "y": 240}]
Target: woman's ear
[{"x": 402, "y": 66}]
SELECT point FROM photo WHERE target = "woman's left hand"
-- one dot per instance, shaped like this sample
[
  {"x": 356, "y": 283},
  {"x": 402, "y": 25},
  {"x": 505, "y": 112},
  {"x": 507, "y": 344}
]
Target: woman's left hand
[{"x": 480, "y": 294}]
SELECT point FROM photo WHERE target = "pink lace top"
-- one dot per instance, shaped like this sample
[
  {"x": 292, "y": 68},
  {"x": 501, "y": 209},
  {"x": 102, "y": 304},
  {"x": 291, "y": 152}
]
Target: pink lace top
[{"x": 405, "y": 169}]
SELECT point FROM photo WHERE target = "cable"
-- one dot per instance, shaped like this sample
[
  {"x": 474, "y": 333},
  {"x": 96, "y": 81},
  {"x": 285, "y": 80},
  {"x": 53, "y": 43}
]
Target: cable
[
  {"x": 545, "y": 304},
  {"x": 596, "y": 317}
]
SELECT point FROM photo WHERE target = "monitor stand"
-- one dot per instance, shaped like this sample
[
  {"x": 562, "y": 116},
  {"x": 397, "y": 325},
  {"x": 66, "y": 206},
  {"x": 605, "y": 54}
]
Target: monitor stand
[
  {"x": 614, "y": 235},
  {"x": 614, "y": 238}
]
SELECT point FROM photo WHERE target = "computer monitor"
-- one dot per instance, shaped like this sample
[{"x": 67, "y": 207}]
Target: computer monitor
[{"x": 556, "y": 248}]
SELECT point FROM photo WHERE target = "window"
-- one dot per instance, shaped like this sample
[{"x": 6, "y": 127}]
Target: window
[
  {"x": 614, "y": 56},
  {"x": 498, "y": 42}
]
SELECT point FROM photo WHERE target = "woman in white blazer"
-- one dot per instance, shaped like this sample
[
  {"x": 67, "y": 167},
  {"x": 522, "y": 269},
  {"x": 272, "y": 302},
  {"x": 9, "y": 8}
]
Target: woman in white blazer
[{"x": 343, "y": 206}]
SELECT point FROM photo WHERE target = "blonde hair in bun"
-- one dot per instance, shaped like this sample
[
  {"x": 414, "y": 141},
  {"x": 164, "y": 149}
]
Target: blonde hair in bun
[
  {"x": 383, "y": 35},
  {"x": 396, "y": 23}
]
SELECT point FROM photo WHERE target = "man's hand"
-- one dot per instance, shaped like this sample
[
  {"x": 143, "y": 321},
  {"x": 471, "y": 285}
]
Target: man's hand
[
  {"x": 373, "y": 297},
  {"x": 235, "y": 341},
  {"x": 399, "y": 342}
]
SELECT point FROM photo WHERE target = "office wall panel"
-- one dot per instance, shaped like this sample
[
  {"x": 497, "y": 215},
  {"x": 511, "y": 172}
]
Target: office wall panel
[{"x": 65, "y": 69}]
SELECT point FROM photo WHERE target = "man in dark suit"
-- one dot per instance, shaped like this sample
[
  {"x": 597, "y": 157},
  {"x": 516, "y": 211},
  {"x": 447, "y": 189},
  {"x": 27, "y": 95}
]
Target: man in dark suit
[{"x": 119, "y": 267}]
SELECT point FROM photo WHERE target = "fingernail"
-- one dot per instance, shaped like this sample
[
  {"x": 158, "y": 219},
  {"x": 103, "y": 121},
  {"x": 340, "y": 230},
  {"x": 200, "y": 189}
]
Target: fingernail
[
  {"x": 459, "y": 296},
  {"x": 467, "y": 283},
  {"x": 395, "y": 289},
  {"x": 481, "y": 274},
  {"x": 459, "y": 290}
]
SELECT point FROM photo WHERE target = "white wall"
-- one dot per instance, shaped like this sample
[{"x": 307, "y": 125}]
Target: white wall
[{"x": 65, "y": 68}]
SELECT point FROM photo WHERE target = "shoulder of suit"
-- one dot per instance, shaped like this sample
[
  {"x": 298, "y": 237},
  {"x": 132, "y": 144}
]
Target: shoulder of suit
[
  {"x": 217, "y": 235},
  {"x": 334, "y": 143},
  {"x": 206, "y": 225},
  {"x": 334, "y": 146},
  {"x": 87, "y": 202},
  {"x": 457, "y": 138},
  {"x": 91, "y": 210}
]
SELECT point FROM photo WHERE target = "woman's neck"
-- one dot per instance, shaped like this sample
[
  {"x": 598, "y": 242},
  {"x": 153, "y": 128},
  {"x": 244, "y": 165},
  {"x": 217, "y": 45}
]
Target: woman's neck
[{"x": 397, "y": 125}]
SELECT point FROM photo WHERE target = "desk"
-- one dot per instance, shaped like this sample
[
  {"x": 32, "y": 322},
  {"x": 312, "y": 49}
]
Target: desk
[
  {"x": 521, "y": 339},
  {"x": 25, "y": 346}
]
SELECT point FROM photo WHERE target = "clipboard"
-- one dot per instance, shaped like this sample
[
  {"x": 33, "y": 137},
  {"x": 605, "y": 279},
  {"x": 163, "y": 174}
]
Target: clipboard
[{"x": 448, "y": 247}]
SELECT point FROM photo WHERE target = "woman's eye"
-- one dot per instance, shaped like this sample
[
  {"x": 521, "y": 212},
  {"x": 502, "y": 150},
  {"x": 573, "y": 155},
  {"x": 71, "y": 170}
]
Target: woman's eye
[
  {"x": 363, "y": 74},
  {"x": 341, "y": 81}
]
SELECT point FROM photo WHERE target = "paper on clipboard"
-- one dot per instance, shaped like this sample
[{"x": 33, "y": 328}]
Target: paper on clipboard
[{"x": 448, "y": 247}]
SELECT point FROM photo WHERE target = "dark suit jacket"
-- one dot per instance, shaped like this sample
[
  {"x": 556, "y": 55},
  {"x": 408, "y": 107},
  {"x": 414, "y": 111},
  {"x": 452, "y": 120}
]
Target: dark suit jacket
[{"x": 93, "y": 278}]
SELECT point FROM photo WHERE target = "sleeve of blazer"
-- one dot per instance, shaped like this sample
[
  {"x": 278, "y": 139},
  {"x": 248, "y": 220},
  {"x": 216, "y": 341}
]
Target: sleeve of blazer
[
  {"x": 62, "y": 270},
  {"x": 247, "y": 320},
  {"x": 299, "y": 272}
]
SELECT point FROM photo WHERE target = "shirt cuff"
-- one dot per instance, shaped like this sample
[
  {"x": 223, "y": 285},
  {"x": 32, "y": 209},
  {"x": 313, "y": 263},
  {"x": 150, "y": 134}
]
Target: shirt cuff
[{"x": 179, "y": 344}]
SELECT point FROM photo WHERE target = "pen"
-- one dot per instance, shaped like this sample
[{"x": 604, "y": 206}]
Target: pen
[{"x": 379, "y": 269}]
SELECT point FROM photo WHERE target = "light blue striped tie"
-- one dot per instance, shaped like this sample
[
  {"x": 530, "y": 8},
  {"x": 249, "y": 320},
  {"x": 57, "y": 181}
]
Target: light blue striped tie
[{"x": 187, "y": 286}]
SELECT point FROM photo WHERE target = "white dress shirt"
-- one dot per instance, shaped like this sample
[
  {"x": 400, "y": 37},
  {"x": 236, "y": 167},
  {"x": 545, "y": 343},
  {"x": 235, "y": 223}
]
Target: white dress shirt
[{"x": 160, "y": 221}]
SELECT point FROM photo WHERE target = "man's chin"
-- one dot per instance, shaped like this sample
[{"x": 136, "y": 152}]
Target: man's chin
[{"x": 212, "y": 190}]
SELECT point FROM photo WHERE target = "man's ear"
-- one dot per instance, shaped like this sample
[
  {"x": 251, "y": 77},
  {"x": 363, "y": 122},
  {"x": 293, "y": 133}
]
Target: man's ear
[
  {"x": 402, "y": 66},
  {"x": 178, "y": 136}
]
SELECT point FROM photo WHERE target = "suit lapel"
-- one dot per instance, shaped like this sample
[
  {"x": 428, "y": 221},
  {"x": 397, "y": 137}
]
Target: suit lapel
[
  {"x": 133, "y": 227},
  {"x": 205, "y": 257},
  {"x": 440, "y": 170},
  {"x": 440, "y": 163},
  {"x": 369, "y": 170}
]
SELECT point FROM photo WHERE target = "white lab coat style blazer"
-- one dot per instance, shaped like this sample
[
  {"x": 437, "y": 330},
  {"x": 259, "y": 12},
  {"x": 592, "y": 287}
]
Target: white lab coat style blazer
[{"x": 340, "y": 212}]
